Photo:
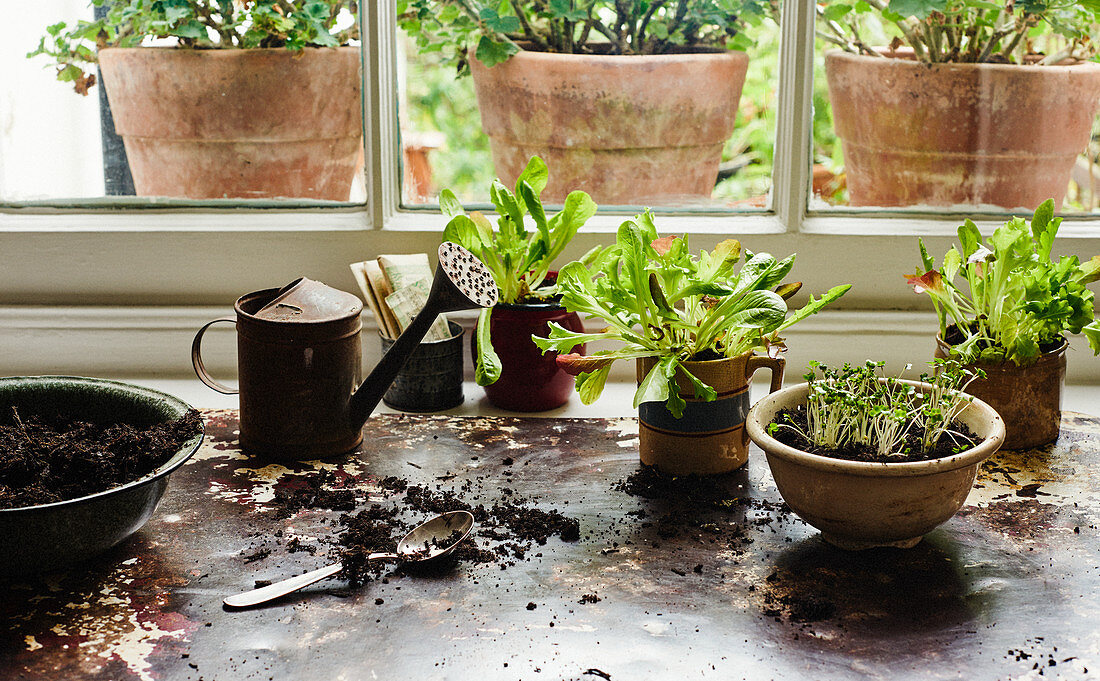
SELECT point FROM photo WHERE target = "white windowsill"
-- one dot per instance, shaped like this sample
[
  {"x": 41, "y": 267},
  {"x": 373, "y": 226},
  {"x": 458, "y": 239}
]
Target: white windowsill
[{"x": 614, "y": 403}]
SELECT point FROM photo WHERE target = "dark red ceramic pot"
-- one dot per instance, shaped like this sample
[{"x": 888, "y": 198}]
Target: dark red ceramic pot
[{"x": 529, "y": 380}]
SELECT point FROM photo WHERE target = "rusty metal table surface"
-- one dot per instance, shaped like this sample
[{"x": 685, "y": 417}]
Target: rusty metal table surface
[{"x": 1008, "y": 589}]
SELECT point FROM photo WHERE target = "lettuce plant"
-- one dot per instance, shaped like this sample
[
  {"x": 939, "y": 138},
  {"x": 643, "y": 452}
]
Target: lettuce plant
[
  {"x": 856, "y": 407},
  {"x": 519, "y": 259},
  {"x": 660, "y": 301},
  {"x": 292, "y": 24},
  {"x": 968, "y": 31},
  {"x": 1017, "y": 299}
]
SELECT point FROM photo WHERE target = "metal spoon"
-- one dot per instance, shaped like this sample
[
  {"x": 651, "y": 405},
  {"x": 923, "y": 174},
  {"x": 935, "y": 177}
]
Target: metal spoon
[{"x": 423, "y": 544}]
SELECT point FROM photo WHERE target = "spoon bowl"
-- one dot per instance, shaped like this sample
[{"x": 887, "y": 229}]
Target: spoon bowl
[
  {"x": 436, "y": 538},
  {"x": 428, "y": 542}
]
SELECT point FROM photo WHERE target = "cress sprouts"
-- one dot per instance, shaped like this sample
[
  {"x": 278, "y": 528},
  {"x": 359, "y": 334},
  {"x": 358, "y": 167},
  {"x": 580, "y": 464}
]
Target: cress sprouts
[{"x": 861, "y": 407}]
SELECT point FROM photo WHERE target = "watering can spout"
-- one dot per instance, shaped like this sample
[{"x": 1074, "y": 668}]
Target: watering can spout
[{"x": 462, "y": 282}]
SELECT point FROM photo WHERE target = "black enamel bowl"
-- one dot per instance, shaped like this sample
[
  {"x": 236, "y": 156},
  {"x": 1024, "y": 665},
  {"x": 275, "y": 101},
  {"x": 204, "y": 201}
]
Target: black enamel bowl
[{"x": 53, "y": 536}]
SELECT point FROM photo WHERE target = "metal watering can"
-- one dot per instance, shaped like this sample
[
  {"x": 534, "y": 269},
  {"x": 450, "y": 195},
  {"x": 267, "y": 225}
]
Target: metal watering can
[{"x": 299, "y": 358}]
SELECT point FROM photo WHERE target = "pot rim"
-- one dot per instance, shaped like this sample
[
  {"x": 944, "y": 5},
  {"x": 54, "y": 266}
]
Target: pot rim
[
  {"x": 756, "y": 427},
  {"x": 185, "y": 452},
  {"x": 451, "y": 324},
  {"x": 1048, "y": 356},
  {"x": 894, "y": 61},
  {"x": 637, "y": 59},
  {"x": 701, "y": 362},
  {"x": 518, "y": 307},
  {"x": 165, "y": 49}
]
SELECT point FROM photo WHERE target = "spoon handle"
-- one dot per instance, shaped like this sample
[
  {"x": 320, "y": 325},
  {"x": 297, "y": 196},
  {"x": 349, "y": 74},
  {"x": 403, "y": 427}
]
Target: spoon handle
[
  {"x": 272, "y": 591},
  {"x": 282, "y": 588}
]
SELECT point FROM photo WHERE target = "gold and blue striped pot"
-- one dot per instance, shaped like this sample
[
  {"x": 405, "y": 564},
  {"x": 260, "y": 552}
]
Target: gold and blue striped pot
[{"x": 710, "y": 437}]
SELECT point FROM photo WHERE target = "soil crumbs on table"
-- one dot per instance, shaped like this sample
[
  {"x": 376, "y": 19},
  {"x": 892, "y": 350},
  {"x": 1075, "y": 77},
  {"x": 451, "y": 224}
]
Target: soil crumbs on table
[
  {"x": 959, "y": 438},
  {"x": 504, "y": 533},
  {"x": 46, "y": 460}
]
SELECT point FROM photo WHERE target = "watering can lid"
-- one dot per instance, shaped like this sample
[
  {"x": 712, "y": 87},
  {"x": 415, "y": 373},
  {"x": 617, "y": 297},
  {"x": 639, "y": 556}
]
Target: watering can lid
[{"x": 306, "y": 300}]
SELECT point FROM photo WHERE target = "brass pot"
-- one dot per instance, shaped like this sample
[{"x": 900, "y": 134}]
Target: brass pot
[
  {"x": 710, "y": 437},
  {"x": 1028, "y": 398}
]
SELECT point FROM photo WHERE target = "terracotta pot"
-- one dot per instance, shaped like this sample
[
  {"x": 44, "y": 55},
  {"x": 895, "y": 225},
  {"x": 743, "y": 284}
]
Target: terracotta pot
[
  {"x": 710, "y": 437},
  {"x": 529, "y": 380},
  {"x": 959, "y": 134},
  {"x": 1029, "y": 399},
  {"x": 259, "y": 123},
  {"x": 860, "y": 505},
  {"x": 625, "y": 129}
]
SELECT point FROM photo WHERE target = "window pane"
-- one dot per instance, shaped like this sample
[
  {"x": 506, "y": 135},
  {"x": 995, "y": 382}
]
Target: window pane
[
  {"x": 677, "y": 130},
  {"x": 958, "y": 110},
  {"x": 266, "y": 123}
]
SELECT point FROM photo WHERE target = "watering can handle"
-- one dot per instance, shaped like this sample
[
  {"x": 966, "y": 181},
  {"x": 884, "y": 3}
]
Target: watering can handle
[
  {"x": 775, "y": 364},
  {"x": 196, "y": 358}
]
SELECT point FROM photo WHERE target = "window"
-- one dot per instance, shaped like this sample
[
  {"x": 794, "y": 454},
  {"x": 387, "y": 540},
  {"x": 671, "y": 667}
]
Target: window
[
  {"x": 278, "y": 125},
  {"x": 673, "y": 130},
  {"x": 911, "y": 132},
  {"x": 103, "y": 252}
]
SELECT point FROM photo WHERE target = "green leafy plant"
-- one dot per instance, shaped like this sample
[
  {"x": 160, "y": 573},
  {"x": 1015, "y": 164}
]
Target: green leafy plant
[
  {"x": 494, "y": 30},
  {"x": 1017, "y": 299},
  {"x": 968, "y": 31},
  {"x": 293, "y": 24},
  {"x": 861, "y": 407},
  {"x": 660, "y": 301},
  {"x": 519, "y": 259}
]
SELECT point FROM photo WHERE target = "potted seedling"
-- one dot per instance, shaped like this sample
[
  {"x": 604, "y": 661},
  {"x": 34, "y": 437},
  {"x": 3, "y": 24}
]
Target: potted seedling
[
  {"x": 516, "y": 376},
  {"x": 872, "y": 460},
  {"x": 693, "y": 324},
  {"x": 257, "y": 99},
  {"x": 628, "y": 101},
  {"x": 973, "y": 102},
  {"x": 1009, "y": 314}
]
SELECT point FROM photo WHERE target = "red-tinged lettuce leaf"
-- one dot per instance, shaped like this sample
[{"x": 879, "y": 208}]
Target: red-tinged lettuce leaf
[
  {"x": 575, "y": 364},
  {"x": 929, "y": 281}
]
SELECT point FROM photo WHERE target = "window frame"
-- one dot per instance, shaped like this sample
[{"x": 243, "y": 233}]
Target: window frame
[{"x": 157, "y": 255}]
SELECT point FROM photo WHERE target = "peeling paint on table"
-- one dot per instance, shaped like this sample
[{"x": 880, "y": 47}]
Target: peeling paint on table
[{"x": 1008, "y": 589}]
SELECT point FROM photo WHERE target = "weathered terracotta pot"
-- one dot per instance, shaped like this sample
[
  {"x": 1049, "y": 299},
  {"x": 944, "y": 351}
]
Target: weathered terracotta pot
[
  {"x": 258, "y": 123},
  {"x": 625, "y": 129},
  {"x": 1029, "y": 399},
  {"x": 860, "y": 505},
  {"x": 951, "y": 134},
  {"x": 529, "y": 380},
  {"x": 710, "y": 437}
]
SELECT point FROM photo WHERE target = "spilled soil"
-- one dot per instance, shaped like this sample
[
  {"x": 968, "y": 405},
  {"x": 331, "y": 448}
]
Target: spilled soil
[
  {"x": 45, "y": 461},
  {"x": 505, "y": 531}
]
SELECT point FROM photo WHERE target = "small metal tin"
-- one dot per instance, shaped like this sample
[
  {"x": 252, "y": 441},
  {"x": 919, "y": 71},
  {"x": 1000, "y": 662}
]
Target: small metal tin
[{"x": 431, "y": 379}]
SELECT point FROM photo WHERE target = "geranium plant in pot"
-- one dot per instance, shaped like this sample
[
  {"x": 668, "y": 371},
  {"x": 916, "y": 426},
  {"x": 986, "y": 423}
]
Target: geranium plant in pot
[
  {"x": 872, "y": 460},
  {"x": 973, "y": 102},
  {"x": 1009, "y": 315},
  {"x": 693, "y": 324},
  {"x": 257, "y": 99},
  {"x": 628, "y": 101},
  {"x": 516, "y": 376}
]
